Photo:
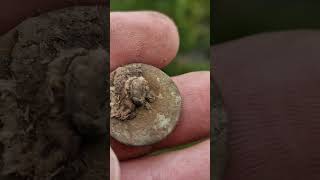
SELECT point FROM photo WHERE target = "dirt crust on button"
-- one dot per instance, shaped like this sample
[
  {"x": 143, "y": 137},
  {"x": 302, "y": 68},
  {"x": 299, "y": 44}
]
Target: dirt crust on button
[
  {"x": 53, "y": 71},
  {"x": 145, "y": 104}
]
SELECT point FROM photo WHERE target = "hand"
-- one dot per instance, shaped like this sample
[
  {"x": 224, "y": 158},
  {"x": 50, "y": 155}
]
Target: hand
[
  {"x": 270, "y": 88},
  {"x": 152, "y": 38}
]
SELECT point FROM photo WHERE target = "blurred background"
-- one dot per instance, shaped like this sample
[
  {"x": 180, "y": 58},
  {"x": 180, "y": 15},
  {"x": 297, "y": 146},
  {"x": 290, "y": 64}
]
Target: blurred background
[
  {"x": 193, "y": 21},
  {"x": 233, "y": 19}
]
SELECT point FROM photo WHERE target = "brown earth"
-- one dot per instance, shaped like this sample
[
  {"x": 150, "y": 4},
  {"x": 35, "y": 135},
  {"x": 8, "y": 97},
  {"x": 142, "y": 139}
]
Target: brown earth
[{"x": 53, "y": 116}]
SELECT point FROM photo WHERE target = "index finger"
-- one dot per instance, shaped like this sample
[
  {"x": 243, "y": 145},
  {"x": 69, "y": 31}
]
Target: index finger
[{"x": 144, "y": 37}]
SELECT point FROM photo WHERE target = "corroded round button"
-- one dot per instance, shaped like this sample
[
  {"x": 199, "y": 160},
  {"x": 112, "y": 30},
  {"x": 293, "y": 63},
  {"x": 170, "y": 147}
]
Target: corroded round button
[{"x": 145, "y": 104}]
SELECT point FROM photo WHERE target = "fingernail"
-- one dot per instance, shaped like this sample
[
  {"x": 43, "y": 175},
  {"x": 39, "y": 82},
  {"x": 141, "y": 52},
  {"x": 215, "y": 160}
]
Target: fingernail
[{"x": 114, "y": 166}]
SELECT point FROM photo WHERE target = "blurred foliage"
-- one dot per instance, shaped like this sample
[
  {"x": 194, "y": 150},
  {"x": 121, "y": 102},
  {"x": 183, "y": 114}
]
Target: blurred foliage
[{"x": 234, "y": 19}]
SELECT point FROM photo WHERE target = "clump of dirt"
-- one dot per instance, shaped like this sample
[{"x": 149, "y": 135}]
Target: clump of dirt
[
  {"x": 53, "y": 89},
  {"x": 129, "y": 91},
  {"x": 145, "y": 104}
]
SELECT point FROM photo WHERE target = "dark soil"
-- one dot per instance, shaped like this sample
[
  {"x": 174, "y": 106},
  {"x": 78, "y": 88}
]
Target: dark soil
[{"x": 53, "y": 116}]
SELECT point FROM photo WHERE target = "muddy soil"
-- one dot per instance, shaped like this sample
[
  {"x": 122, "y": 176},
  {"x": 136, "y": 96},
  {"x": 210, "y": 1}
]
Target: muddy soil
[{"x": 53, "y": 92}]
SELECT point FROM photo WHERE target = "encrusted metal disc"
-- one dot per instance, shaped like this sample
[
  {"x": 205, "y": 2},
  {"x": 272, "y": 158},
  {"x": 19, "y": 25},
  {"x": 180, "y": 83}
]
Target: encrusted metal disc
[{"x": 145, "y": 104}]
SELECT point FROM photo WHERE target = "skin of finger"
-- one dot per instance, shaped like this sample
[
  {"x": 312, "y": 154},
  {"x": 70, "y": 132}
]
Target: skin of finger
[
  {"x": 15, "y": 11},
  {"x": 190, "y": 163},
  {"x": 145, "y": 36},
  {"x": 274, "y": 113},
  {"x": 114, "y": 166},
  {"x": 194, "y": 123}
]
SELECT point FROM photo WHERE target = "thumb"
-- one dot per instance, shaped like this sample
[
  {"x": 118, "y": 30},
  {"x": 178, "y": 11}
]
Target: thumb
[{"x": 114, "y": 166}]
